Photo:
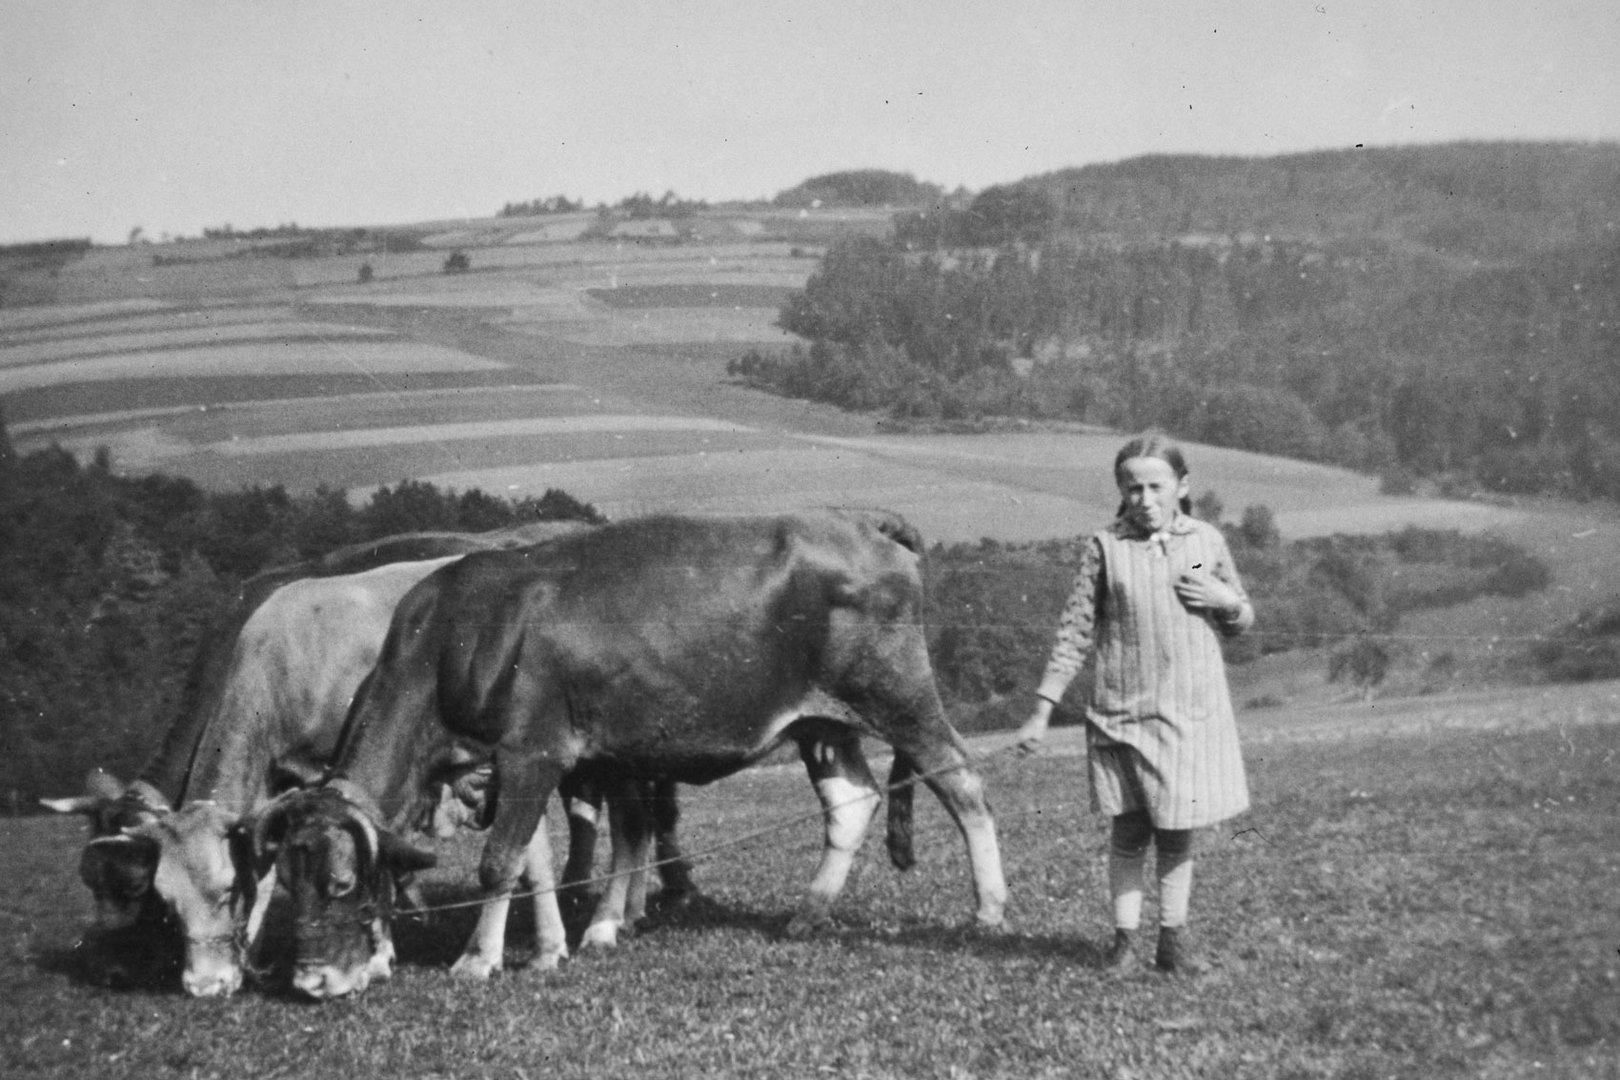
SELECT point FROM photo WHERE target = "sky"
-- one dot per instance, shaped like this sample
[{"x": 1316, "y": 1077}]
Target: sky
[{"x": 179, "y": 115}]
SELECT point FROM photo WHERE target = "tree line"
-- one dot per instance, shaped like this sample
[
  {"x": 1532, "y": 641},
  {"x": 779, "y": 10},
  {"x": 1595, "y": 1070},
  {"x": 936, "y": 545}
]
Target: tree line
[{"x": 108, "y": 585}]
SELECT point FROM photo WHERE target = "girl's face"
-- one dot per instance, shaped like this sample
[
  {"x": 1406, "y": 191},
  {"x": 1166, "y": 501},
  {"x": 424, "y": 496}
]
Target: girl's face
[{"x": 1152, "y": 491}]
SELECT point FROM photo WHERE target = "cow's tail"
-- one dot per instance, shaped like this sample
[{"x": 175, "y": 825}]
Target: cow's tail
[{"x": 902, "y": 782}]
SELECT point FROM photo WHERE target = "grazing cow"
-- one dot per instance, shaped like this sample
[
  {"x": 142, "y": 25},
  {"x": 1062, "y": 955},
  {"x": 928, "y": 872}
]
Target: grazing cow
[
  {"x": 666, "y": 647},
  {"x": 293, "y": 671},
  {"x": 295, "y": 650}
]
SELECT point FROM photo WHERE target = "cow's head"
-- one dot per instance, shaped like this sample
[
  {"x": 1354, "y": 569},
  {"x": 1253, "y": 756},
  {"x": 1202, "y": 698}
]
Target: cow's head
[
  {"x": 117, "y": 868},
  {"x": 204, "y": 876},
  {"x": 341, "y": 869}
]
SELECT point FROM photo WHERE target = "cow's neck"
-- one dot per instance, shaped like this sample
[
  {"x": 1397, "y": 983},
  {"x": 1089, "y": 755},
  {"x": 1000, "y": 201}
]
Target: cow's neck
[{"x": 390, "y": 759}]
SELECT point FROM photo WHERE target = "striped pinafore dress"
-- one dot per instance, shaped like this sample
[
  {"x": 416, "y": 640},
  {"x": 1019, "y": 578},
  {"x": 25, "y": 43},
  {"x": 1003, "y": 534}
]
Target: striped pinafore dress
[{"x": 1161, "y": 736}]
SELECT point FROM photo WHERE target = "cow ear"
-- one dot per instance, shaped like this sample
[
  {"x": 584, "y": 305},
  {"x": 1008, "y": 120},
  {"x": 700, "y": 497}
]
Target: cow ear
[
  {"x": 100, "y": 784},
  {"x": 402, "y": 857}
]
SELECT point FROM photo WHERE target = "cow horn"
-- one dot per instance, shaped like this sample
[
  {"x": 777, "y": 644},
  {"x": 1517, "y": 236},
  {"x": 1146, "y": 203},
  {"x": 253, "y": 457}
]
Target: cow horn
[
  {"x": 147, "y": 830},
  {"x": 266, "y": 828},
  {"x": 78, "y": 804},
  {"x": 357, "y": 813},
  {"x": 364, "y": 831},
  {"x": 126, "y": 841}
]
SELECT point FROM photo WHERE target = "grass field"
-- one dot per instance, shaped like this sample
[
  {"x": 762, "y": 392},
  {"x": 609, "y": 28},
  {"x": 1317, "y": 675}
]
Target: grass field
[{"x": 1432, "y": 898}]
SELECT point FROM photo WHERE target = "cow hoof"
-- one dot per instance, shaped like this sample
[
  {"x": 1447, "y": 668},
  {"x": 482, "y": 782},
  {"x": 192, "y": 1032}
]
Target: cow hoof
[
  {"x": 211, "y": 987},
  {"x": 602, "y": 935},
  {"x": 549, "y": 961},
  {"x": 675, "y": 900},
  {"x": 477, "y": 968}
]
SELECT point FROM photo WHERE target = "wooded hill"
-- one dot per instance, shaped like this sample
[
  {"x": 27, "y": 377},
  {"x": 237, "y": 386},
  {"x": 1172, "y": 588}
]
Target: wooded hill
[
  {"x": 861, "y": 187},
  {"x": 1449, "y": 312}
]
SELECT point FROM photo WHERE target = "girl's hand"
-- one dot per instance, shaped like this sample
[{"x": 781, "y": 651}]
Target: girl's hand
[
  {"x": 1200, "y": 590},
  {"x": 1033, "y": 730}
]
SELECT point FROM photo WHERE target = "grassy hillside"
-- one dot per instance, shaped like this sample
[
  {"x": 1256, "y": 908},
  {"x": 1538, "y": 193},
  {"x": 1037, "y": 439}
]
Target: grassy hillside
[{"x": 1398, "y": 902}]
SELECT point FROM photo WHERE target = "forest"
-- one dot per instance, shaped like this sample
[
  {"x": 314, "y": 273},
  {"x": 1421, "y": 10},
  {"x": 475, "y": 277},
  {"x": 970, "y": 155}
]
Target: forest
[
  {"x": 109, "y": 583},
  {"x": 1441, "y": 315}
]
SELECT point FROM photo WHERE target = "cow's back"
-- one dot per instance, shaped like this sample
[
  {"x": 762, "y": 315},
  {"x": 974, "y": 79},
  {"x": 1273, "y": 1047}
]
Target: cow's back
[
  {"x": 169, "y": 769},
  {"x": 671, "y": 626},
  {"x": 295, "y": 666}
]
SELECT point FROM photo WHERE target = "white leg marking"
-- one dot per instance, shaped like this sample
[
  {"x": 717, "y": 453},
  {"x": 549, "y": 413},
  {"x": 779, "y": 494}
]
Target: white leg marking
[
  {"x": 540, "y": 875},
  {"x": 629, "y": 861},
  {"x": 849, "y": 798}
]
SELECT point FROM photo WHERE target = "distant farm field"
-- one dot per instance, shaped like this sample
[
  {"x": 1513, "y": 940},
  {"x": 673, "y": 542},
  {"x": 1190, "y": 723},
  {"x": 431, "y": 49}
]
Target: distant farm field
[
  {"x": 613, "y": 325},
  {"x": 1417, "y": 897}
]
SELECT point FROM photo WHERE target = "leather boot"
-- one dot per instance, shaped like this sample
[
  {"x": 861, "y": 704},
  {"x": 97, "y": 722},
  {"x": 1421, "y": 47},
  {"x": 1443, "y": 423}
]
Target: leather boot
[
  {"x": 1121, "y": 955},
  {"x": 1174, "y": 957}
]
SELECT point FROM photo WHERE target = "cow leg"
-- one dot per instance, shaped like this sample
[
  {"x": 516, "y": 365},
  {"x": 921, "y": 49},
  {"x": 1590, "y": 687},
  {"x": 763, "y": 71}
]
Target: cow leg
[
  {"x": 945, "y": 769},
  {"x": 582, "y": 800},
  {"x": 849, "y": 798},
  {"x": 486, "y": 951},
  {"x": 625, "y": 897},
  {"x": 674, "y": 871},
  {"x": 523, "y": 782},
  {"x": 540, "y": 878},
  {"x": 640, "y": 840},
  {"x": 897, "y": 695}
]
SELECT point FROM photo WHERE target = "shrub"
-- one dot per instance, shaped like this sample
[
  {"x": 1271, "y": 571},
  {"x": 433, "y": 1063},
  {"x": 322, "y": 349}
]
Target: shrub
[
  {"x": 1365, "y": 663},
  {"x": 1267, "y": 420},
  {"x": 1586, "y": 649}
]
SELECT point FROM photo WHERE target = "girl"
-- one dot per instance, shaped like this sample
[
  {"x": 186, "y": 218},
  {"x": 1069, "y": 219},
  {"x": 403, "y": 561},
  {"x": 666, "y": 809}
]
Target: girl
[{"x": 1154, "y": 592}]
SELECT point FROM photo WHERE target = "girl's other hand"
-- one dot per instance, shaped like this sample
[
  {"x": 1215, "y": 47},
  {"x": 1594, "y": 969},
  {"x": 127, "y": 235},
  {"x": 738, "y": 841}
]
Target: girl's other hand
[{"x": 1200, "y": 590}]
